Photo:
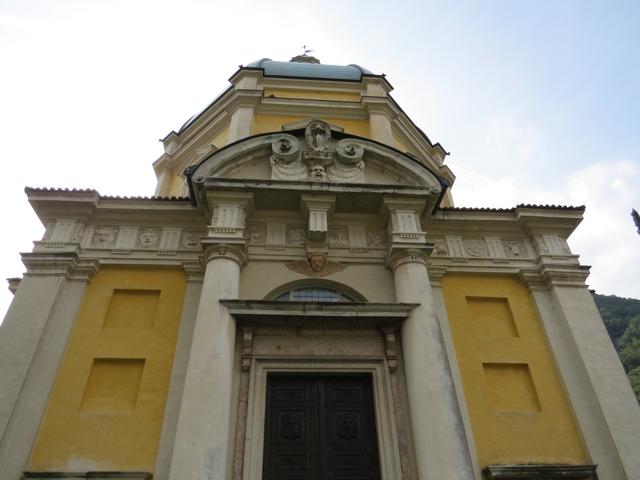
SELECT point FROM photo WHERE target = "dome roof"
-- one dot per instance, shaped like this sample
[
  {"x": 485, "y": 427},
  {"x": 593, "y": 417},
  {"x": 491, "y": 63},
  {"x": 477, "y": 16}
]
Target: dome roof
[{"x": 304, "y": 66}]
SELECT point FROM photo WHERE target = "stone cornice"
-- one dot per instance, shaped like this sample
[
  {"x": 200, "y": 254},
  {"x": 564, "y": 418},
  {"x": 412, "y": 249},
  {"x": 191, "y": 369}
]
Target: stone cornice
[
  {"x": 311, "y": 108},
  {"x": 318, "y": 314},
  {"x": 65, "y": 264},
  {"x": 546, "y": 277},
  {"x": 381, "y": 105}
]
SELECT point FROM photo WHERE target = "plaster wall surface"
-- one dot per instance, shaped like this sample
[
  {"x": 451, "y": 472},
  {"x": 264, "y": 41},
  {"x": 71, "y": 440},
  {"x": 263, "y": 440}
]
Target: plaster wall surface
[
  {"x": 259, "y": 278},
  {"x": 516, "y": 403},
  {"x": 106, "y": 408}
]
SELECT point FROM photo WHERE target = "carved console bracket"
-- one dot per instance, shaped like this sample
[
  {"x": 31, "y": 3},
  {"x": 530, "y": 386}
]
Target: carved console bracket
[
  {"x": 247, "y": 348},
  {"x": 390, "y": 347},
  {"x": 317, "y": 209}
]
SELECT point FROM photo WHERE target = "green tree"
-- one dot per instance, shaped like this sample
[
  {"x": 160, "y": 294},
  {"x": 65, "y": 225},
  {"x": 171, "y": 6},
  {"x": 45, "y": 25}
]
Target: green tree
[{"x": 621, "y": 316}]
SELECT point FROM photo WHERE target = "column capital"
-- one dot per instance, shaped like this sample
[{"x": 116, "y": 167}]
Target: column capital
[
  {"x": 213, "y": 249},
  {"x": 400, "y": 255},
  {"x": 229, "y": 211}
]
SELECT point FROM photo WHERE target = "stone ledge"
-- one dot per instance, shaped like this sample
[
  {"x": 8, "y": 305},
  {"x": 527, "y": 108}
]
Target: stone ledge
[
  {"x": 87, "y": 475},
  {"x": 540, "y": 472}
]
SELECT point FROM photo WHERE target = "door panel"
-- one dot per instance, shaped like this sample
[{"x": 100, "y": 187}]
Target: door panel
[{"x": 320, "y": 428}]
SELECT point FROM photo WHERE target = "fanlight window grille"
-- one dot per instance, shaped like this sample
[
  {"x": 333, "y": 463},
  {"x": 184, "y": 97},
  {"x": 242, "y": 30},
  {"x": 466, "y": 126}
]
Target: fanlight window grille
[{"x": 314, "y": 294}]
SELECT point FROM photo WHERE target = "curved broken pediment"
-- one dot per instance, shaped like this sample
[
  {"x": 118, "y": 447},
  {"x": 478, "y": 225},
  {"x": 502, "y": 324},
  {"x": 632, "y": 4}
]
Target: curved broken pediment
[{"x": 315, "y": 154}]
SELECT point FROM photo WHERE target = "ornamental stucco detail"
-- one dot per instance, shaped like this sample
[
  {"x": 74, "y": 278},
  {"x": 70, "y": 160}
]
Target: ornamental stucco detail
[{"x": 317, "y": 157}]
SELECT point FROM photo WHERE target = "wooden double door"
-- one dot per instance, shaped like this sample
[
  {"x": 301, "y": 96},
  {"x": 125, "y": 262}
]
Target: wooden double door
[{"x": 320, "y": 427}]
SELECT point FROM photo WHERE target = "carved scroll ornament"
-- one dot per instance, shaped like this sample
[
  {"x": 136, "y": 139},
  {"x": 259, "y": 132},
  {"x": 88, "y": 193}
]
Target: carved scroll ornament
[{"x": 321, "y": 158}]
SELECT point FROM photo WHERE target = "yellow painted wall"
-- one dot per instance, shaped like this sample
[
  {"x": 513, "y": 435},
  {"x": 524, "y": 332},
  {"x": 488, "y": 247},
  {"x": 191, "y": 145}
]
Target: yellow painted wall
[
  {"x": 106, "y": 408},
  {"x": 312, "y": 94},
  {"x": 273, "y": 123},
  {"x": 518, "y": 410}
]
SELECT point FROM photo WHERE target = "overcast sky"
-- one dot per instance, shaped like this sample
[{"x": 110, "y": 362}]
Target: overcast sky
[{"x": 537, "y": 102}]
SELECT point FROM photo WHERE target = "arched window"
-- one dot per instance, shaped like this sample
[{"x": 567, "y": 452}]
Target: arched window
[{"x": 315, "y": 294}]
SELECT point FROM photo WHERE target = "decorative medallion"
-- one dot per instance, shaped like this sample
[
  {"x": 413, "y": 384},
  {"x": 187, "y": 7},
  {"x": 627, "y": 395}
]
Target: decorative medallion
[{"x": 476, "y": 247}]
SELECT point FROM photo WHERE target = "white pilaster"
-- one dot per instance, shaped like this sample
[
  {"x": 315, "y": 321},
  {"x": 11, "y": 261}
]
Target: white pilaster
[
  {"x": 32, "y": 343},
  {"x": 457, "y": 395},
  {"x": 580, "y": 391},
  {"x": 598, "y": 370},
  {"x": 178, "y": 371}
]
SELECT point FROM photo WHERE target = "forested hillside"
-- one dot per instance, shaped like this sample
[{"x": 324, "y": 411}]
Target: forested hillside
[{"x": 622, "y": 318}]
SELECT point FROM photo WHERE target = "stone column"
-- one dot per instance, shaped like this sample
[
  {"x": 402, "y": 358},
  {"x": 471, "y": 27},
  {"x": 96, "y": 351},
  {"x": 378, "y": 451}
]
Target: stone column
[
  {"x": 438, "y": 435},
  {"x": 33, "y": 338},
  {"x": 203, "y": 442}
]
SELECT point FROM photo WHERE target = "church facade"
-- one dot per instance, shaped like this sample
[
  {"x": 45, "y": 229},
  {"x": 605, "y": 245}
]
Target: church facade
[{"x": 300, "y": 299}]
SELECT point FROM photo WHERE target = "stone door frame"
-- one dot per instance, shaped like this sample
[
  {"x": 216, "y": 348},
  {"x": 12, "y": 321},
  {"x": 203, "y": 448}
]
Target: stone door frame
[{"x": 390, "y": 466}]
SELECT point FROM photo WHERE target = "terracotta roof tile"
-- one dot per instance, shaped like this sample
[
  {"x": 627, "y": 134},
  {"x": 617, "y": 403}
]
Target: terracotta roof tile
[
  {"x": 105, "y": 197},
  {"x": 512, "y": 209}
]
